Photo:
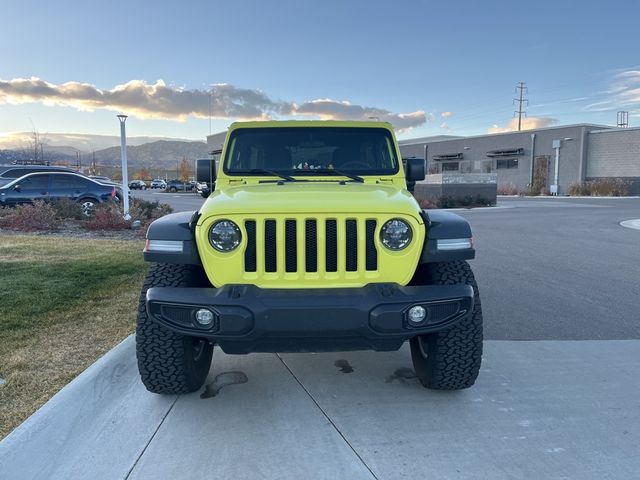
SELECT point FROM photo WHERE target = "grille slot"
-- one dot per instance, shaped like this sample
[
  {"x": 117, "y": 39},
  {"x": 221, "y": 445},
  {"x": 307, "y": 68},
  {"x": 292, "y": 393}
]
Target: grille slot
[
  {"x": 270, "y": 253},
  {"x": 311, "y": 246},
  {"x": 291, "y": 246},
  {"x": 332, "y": 246},
  {"x": 250, "y": 252},
  {"x": 371, "y": 262},
  {"x": 352, "y": 246}
]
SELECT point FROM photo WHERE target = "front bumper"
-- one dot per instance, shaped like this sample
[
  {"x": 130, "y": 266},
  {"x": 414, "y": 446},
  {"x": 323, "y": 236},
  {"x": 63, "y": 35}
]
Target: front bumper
[{"x": 250, "y": 319}]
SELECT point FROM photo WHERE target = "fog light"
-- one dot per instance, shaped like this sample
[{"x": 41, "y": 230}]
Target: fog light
[
  {"x": 417, "y": 315},
  {"x": 204, "y": 317}
]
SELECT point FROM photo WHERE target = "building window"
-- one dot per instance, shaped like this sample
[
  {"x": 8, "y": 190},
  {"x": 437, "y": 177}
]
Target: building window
[
  {"x": 450, "y": 166},
  {"x": 507, "y": 163}
]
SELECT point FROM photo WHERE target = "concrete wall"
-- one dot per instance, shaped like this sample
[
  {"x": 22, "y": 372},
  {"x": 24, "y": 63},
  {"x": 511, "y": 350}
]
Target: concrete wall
[{"x": 614, "y": 153}]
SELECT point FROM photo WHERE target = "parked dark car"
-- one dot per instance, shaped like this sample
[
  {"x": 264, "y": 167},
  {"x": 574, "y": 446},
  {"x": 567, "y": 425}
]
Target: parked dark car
[
  {"x": 58, "y": 185},
  {"x": 103, "y": 179},
  {"x": 178, "y": 186},
  {"x": 137, "y": 185},
  {"x": 9, "y": 173}
]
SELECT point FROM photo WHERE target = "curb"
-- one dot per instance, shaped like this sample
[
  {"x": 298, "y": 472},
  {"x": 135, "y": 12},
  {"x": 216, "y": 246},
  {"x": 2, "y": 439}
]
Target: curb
[{"x": 634, "y": 224}]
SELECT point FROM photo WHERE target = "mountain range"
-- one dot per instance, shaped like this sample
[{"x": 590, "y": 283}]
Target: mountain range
[{"x": 150, "y": 152}]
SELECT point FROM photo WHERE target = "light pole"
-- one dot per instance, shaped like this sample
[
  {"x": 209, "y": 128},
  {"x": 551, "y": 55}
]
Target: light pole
[{"x": 125, "y": 173}]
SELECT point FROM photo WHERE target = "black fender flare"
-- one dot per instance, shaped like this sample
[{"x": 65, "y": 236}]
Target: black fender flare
[
  {"x": 444, "y": 225},
  {"x": 175, "y": 227}
]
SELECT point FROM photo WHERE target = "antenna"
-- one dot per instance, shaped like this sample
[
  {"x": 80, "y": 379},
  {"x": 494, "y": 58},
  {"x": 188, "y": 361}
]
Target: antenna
[{"x": 623, "y": 119}]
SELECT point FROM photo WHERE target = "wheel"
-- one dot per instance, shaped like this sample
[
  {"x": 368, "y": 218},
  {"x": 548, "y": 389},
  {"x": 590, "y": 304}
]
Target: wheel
[
  {"x": 168, "y": 362},
  {"x": 88, "y": 206},
  {"x": 173, "y": 189},
  {"x": 450, "y": 360}
]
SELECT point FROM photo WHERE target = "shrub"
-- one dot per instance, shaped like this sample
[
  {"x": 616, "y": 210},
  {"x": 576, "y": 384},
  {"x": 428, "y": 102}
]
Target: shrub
[
  {"x": 30, "y": 217},
  {"x": 146, "y": 211},
  {"x": 508, "y": 189},
  {"x": 603, "y": 187},
  {"x": 427, "y": 203},
  {"x": 107, "y": 216},
  {"x": 469, "y": 201},
  {"x": 67, "y": 209},
  {"x": 579, "y": 189},
  {"x": 609, "y": 187}
]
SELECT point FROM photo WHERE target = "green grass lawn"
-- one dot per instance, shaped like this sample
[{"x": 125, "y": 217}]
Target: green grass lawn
[{"x": 64, "y": 302}]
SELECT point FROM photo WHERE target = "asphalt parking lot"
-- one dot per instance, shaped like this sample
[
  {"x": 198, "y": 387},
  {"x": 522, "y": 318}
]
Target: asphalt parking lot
[
  {"x": 548, "y": 268},
  {"x": 551, "y": 271}
]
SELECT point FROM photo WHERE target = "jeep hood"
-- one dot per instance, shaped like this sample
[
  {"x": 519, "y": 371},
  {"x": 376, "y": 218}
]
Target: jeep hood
[{"x": 310, "y": 197}]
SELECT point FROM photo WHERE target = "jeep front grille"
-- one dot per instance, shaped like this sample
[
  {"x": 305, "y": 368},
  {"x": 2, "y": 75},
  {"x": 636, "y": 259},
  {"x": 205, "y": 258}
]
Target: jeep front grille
[{"x": 317, "y": 246}]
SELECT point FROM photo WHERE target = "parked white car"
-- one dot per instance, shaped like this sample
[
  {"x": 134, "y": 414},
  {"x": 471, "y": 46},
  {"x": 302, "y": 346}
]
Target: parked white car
[{"x": 158, "y": 183}]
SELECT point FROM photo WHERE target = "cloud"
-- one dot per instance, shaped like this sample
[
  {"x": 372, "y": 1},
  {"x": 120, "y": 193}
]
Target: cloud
[
  {"x": 623, "y": 93},
  {"x": 158, "y": 100},
  {"x": 445, "y": 126},
  {"x": 527, "y": 124},
  {"x": 446, "y": 114},
  {"x": 626, "y": 88},
  {"x": 328, "y": 109}
]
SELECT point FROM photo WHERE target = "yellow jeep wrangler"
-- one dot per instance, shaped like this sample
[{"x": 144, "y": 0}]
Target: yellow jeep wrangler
[{"x": 309, "y": 242}]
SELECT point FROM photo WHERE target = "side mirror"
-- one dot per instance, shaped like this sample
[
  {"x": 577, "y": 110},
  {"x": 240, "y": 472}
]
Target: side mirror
[
  {"x": 206, "y": 171},
  {"x": 414, "y": 169},
  {"x": 17, "y": 188},
  {"x": 205, "y": 192}
]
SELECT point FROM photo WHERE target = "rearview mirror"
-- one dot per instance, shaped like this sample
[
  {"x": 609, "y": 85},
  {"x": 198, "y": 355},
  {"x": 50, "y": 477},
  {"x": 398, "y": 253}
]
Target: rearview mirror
[{"x": 206, "y": 171}]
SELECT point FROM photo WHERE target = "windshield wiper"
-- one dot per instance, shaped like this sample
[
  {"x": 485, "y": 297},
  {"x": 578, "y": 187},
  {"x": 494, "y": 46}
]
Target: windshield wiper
[
  {"x": 333, "y": 171},
  {"x": 262, "y": 171}
]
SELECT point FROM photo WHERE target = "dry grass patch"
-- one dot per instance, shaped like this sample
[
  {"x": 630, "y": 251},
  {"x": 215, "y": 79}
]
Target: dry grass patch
[{"x": 64, "y": 302}]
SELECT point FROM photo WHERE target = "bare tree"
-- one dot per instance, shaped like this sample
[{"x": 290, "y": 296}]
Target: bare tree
[{"x": 33, "y": 150}]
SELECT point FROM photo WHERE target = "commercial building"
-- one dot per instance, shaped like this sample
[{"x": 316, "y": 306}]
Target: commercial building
[{"x": 553, "y": 158}]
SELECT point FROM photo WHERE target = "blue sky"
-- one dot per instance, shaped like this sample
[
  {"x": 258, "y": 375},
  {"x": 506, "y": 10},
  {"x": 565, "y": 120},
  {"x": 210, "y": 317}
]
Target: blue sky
[{"x": 430, "y": 67}]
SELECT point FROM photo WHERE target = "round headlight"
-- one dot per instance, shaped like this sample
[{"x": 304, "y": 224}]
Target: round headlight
[
  {"x": 225, "y": 236},
  {"x": 395, "y": 234}
]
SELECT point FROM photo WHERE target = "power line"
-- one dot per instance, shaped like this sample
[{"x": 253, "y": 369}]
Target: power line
[{"x": 521, "y": 102}]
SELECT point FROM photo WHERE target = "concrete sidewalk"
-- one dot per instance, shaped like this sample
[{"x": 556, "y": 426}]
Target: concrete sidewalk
[{"x": 547, "y": 409}]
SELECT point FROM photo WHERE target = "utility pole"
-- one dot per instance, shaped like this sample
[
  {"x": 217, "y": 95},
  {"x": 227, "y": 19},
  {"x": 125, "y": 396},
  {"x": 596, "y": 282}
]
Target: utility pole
[
  {"x": 210, "y": 108},
  {"x": 522, "y": 88}
]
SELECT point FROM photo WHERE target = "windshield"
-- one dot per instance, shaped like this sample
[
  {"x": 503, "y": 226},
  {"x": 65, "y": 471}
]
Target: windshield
[{"x": 311, "y": 151}]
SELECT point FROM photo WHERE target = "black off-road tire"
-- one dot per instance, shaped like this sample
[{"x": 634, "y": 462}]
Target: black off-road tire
[
  {"x": 450, "y": 360},
  {"x": 168, "y": 362}
]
